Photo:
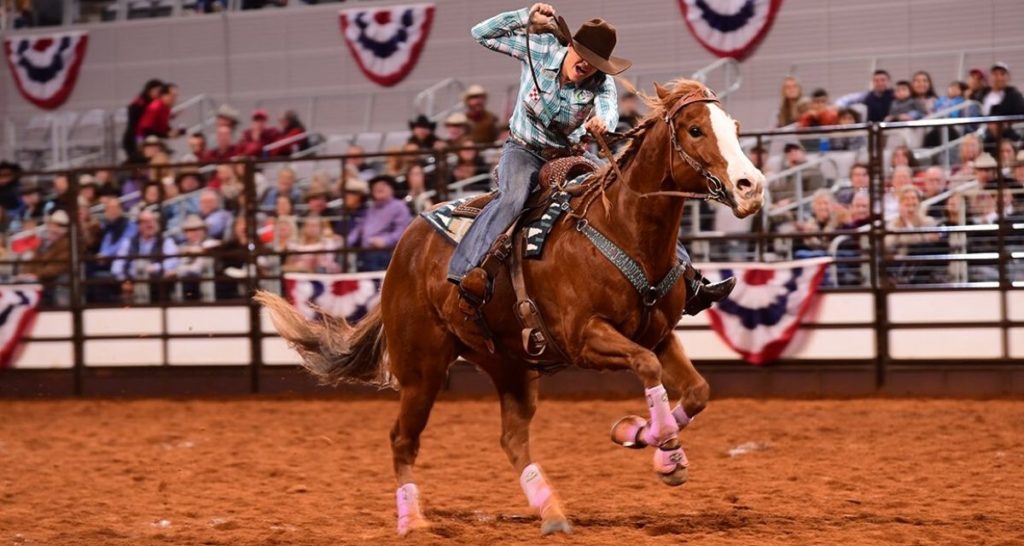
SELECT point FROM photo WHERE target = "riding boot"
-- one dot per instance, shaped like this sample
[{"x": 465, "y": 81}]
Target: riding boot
[
  {"x": 702, "y": 293},
  {"x": 477, "y": 284}
]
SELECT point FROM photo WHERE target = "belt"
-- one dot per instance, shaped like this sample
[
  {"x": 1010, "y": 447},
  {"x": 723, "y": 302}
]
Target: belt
[{"x": 547, "y": 153}]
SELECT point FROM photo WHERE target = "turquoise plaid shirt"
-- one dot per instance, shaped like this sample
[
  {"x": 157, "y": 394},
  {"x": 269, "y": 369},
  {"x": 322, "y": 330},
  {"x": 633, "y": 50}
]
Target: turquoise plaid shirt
[{"x": 553, "y": 117}]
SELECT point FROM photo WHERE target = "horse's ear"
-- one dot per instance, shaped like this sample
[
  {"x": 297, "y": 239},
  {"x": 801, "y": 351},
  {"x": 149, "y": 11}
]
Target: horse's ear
[{"x": 661, "y": 91}]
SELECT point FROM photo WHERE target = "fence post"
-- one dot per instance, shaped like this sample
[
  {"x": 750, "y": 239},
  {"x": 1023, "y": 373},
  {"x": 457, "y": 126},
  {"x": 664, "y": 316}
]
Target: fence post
[
  {"x": 1004, "y": 277},
  {"x": 253, "y": 276},
  {"x": 77, "y": 302},
  {"x": 876, "y": 197},
  {"x": 441, "y": 174}
]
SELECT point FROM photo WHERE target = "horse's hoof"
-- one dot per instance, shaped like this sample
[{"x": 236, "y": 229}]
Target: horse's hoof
[
  {"x": 628, "y": 432},
  {"x": 675, "y": 478},
  {"x": 412, "y": 524},
  {"x": 552, "y": 526}
]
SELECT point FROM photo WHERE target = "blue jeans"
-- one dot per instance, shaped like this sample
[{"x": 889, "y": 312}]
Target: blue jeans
[{"x": 515, "y": 178}]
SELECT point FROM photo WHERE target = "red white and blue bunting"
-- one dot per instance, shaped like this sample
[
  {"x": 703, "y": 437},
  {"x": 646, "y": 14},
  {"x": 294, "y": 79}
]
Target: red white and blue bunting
[
  {"x": 729, "y": 28},
  {"x": 18, "y": 305},
  {"x": 348, "y": 296},
  {"x": 45, "y": 66},
  {"x": 765, "y": 309},
  {"x": 386, "y": 42}
]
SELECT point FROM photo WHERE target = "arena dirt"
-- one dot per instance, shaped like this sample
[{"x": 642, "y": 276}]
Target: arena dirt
[{"x": 295, "y": 472}]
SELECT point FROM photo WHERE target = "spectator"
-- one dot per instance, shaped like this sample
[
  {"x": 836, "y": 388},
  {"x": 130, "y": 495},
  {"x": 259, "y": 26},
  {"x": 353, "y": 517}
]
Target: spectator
[
  {"x": 970, "y": 148},
  {"x": 285, "y": 188},
  {"x": 88, "y": 188},
  {"x": 147, "y": 256},
  {"x": 902, "y": 177},
  {"x": 1018, "y": 168},
  {"x": 258, "y": 136},
  {"x": 759, "y": 157},
  {"x": 1007, "y": 156},
  {"x": 484, "y": 127},
  {"x": 457, "y": 127},
  {"x": 51, "y": 262},
  {"x": 629, "y": 112},
  {"x": 152, "y": 146},
  {"x": 385, "y": 220},
  {"x": 290, "y": 130},
  {"x": 902, "y": 156},
  {"x": 996, "y": 133},
  {"x": 227, "y": 117},
  {"x": 318, "y": 244},
  {"x": 923, "y": 91},
  {"x": 58, "y": 201},
  {"x": 860, "y": 179},
  {"x": 954, "y": 97},
  {"x": 89, "y": 229},
  {"x": 825, "y": 217},
  {"x": 285, "y": 233},
  {"x": 156, "y": 119},
  {"x": 904, "y": 106},
  {"x": 784, "y": 189},
  {"x": 860, "y": 211},
  {"x": 357, "y": 164},
  {"x": 224, "y": 149},
  {"x": 935, "y": 185},
  {"x": 232, "y": 262},
  {"x": 316, "y": 200},
  {"x": 150, "y": 199},
  {"x": 211, "y": 211},
  {"x": 416, "y": 187},
  {"x": 353, "y": 205},
  {"x": 848, "y": 141},
  {"x": 793, "y": 103},
  {"x": 977, "y": 85},
  {"x": 10, "y": 186},
  {"x": 197, "y": 151},
  {"x": 195, "y": 262},
  {"x": 468, "y": 162},
  {"x": 423, "y": 133},
  {"x": 879, "y": 99},
  {"x": 31, "y": 203},
  {"x": 1002, "y": 99},
  {"x": 899, "y": 243},
  {"x": 230, "y": 187},
  {"x": 985, "y": 171},
  {"x": 954, "y": 212},
  {"x": 136, "y": 108},
  {"x": 820, "y": 113},
  {"x": 117, "y": 229},
  {"x": 396, "y": 165},
  {"x": 284, "y": 206}
]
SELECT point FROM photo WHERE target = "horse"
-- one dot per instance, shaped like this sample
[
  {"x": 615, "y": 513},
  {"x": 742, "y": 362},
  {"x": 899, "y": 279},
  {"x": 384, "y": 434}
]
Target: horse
[{"x": 687, "y": 146}]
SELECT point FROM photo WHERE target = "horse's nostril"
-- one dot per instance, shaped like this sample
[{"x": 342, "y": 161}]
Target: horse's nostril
[{"x": 744, "y": 185}]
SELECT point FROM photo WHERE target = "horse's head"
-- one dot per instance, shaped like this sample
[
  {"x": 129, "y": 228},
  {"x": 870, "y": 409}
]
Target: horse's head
[{"x": 705, "y": 139}]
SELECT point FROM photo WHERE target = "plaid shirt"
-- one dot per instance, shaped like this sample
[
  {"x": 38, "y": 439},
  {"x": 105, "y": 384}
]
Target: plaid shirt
[{"x": 552, "y": 116}]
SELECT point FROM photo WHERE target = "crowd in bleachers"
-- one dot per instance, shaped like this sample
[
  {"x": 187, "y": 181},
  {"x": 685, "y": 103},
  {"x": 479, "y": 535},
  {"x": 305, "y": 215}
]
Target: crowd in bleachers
[{"x": 170, "y": 224}]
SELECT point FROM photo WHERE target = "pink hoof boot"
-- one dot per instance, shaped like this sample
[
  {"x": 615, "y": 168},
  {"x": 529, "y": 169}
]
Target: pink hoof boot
[
  {"x": 670, "y": 463},
  {"x": 628, "y": 432},
  {"x": 410, "y": 517}
]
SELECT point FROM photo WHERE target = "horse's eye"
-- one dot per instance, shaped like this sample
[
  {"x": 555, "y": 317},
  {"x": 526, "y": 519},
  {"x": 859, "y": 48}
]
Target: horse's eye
[{"x": 695, "y": 132}]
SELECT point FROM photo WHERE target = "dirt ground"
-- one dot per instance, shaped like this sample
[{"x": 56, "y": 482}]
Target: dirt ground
[{"x": 296, "y": 472}]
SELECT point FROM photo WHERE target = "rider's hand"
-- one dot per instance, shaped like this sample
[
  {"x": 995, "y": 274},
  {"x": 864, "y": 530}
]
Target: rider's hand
[
  {"x": 540, "y": 13},
  {"x": 596, "y": 125}
]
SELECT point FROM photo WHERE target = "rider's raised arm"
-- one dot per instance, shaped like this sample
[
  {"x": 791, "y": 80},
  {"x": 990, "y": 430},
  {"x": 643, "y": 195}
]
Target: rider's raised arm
[
  {"x": 505, "y": 32},
  {"x": 606, "y": 107}
]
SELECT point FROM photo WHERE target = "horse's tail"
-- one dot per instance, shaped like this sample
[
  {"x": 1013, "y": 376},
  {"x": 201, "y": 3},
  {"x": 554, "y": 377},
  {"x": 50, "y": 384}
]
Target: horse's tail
[{"x": 332, "y": 349}]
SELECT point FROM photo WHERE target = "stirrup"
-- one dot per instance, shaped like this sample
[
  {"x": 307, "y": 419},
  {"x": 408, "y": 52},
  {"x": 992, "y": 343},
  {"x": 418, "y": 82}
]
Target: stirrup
[{"x": 702, "y": 294}]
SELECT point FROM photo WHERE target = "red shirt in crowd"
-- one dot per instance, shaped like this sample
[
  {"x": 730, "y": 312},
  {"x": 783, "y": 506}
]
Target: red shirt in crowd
[
  {"x": 156, "y": 120},
  {"x": 252, "y": 146},
  {"x": 289, "y": 149}
]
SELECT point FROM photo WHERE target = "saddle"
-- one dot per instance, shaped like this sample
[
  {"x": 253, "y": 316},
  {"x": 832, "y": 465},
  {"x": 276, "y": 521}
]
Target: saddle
[{"x": 552, "y": 177}]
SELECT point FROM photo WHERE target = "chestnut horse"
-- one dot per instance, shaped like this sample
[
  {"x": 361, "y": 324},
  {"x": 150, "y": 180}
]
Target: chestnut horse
[{"x": 686, "y": 145}]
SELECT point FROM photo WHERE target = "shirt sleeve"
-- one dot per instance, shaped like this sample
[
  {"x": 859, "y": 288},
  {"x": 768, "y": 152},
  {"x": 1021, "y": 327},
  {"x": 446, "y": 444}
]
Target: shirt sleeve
[
  {"x": 500, "y": 33},
  {"x": 170, "y": 251},
  {"x": 118, "y": 267}
]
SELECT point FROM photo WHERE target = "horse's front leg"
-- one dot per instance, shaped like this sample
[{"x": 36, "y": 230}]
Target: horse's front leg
[
  {"x": 518, "y": 391},
  {"x": 606, "y": 348}
]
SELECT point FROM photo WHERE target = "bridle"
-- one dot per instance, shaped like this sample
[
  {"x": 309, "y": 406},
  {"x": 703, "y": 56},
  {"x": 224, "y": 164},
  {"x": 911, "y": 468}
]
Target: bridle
[{"x": 716, "y": 189}]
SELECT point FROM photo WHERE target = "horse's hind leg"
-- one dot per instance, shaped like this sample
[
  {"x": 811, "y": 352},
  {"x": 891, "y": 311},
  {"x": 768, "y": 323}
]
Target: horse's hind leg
[
  {"x": 421, "y": 373},
  {"x": 518, "y": 391}
]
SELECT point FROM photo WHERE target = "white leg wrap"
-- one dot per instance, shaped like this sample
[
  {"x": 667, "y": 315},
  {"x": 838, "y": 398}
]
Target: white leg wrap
[
  {"x": 536, "y": 487},
  {"x": 662, "y": 425},
  {"x": 681, "y": 418},
  {"x": 408, "y": 500}
]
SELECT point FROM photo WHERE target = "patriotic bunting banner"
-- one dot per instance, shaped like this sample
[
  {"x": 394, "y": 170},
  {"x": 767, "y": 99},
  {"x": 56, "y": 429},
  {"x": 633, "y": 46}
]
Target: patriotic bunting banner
[
  {"x": 45, "y": 66},
  {"x": 386, "y": 42},
  {"x": 729, "y": 28},
  {"x": 765, "y": 309},
  {"x": 347, "y": 296},
  {"x": 18, "y": 304}
]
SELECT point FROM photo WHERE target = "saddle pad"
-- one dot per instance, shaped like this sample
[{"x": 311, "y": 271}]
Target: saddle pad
[{"x": 450, "y": 225}]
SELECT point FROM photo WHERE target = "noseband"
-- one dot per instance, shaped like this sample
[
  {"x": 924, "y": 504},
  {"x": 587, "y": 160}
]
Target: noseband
[{"x": 716, "y": 189}]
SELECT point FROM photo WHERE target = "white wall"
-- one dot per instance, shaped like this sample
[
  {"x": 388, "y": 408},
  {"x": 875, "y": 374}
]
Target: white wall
[{"x": 243, "y": 57}]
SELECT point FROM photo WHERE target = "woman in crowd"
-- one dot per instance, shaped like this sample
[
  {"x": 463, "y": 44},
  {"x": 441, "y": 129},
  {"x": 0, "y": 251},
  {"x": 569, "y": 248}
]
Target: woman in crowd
[
  {"x": 793, "y": 102},
  {"x": 923, "y": 91},
  {"x": 468, "y": 163},
  {"x": 826, "y": 216},
  {"x": 902, "y": 156},
  {"x": 416, "y": 187},
  {"x": 290, "y": 127},
  {"x": 902, "y": 242},
  {"x": 149, "y": 93},
  {"x": 318, "y": 244}
]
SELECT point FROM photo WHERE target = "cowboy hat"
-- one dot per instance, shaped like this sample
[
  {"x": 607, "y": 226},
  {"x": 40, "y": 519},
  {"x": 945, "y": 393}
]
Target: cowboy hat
[
  {"x": 457, "y": 118},
  {"x": 87, "y": 180},
  {"x": 356, "y": 185},
  {"x": 60, "y": 218},
  {"x": 193, "y": 222},
  {"x": 422, "y": 121},
  {"x": 594, "y": 41},
  {"x": 475, "y": 90},
  {"x": 985, "y": 161}
]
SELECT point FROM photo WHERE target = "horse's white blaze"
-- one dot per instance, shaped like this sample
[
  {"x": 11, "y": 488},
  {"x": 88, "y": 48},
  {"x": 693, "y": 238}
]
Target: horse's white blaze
[{"x": 739, "y": 165}]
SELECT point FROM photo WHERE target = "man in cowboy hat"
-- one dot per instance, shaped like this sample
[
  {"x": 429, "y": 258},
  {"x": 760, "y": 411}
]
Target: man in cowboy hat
[
  {"x": 423, "y": 133},
  {"x": 484, "y": 126},
  {"x": 571, "y": 91}
]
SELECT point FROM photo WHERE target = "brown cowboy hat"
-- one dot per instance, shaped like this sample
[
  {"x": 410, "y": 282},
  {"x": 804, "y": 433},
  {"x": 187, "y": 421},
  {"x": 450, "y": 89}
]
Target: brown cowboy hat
[{"x": 594, "y": 41}]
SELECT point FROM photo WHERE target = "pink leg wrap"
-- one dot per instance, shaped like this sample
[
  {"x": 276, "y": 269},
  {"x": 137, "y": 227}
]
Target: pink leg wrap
[
  {"x": 681, "y": 418},
  {"x": 408, "y": 499},
  {"x": 662, "y": 425},
  {"x": 536, "y": 487},
  {"x": 666, "y": 460}
]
